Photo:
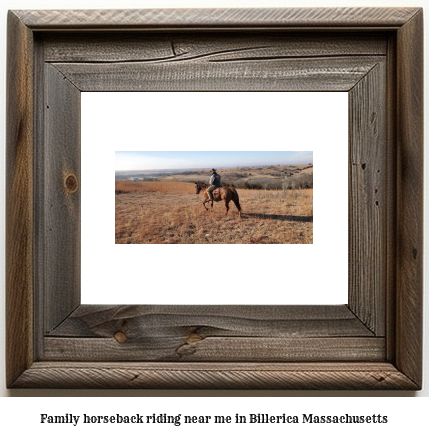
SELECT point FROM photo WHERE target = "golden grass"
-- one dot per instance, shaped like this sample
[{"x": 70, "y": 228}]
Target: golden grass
[
  {"x": 171, "y": 213},
  {"x": 124, "y": 186}
]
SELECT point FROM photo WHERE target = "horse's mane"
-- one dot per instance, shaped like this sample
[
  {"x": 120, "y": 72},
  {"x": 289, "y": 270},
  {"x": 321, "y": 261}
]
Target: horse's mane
[{"x": 202, "y": 184}]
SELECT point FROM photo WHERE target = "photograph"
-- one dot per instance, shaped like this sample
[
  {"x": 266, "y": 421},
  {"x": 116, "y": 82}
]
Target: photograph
[{"x": 251, "y": 197}]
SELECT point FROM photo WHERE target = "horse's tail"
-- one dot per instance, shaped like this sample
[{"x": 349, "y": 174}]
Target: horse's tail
[{"x": 235, "y": 199}]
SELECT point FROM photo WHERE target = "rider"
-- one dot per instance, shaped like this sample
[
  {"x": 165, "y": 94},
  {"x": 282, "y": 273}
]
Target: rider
[{"x": 214, "y": 183}]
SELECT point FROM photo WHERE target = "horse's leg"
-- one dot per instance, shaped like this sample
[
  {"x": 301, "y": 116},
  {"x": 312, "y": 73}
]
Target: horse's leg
[
  {"x": 237, "y": 204},
  {"x": 226, "y": 205},
  {"x": 205, "y": 201}
]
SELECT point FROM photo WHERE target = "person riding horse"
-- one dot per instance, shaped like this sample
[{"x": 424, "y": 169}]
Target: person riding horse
[
  {"x": 214, "y": 183},
  {"x": 224, "y": 193}
]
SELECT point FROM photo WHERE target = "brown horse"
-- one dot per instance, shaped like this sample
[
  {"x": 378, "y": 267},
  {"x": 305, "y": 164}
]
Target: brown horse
[{"x": 224, "y": 193}]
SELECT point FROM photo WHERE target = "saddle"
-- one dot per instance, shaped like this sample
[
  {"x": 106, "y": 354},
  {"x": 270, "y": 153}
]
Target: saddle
[{"x": 215, "y": 192}]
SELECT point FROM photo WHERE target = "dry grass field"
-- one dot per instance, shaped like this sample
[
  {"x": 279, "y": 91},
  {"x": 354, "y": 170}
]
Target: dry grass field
[{"x": 171, "y": 213}]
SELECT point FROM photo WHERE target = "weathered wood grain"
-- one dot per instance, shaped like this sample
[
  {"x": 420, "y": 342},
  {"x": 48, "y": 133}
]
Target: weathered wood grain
[
  {"x": 39, "y": 200},
  {"x": 19, "y": 200},
  {"x": 217, "y": 348},
  {"x": 213, "y": 333},
  {"x": 61, "y": 187},
  {"x": 391, "y": 192},
  {"x": 135, "y": 322},
  {"x": 224, "y": 47},
  {"x": 330, "y": 74},
  {"x": 215, "y": 376},
  {"x": 290, "y": 18},
  {"x": 409, "y": 279},
  {"x": 368, "y": 203}
]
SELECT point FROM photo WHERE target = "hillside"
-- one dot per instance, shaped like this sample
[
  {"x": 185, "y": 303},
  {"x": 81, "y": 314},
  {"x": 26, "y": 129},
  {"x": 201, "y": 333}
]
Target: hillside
[{"x": 253, "y": 177}]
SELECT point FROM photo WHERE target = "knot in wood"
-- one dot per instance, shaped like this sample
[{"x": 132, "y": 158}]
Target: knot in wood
[
  {"x": 71, "y": 183},
  {"x": 120, "y": 337},
  {"x": 193, "y": 338}
]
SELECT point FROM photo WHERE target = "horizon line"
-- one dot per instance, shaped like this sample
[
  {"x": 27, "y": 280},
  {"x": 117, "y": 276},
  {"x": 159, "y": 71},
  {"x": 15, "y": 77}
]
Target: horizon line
[{"x": 220, "y": 168}]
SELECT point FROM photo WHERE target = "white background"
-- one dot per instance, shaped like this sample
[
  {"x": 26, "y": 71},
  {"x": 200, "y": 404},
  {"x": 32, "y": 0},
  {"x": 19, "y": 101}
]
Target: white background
[
  {"x": 258, "y": 274},
  {"x": 21, "y": 413}
]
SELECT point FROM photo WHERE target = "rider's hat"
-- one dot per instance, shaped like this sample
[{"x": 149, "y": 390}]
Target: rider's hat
[{"x": 213, "y": 170}]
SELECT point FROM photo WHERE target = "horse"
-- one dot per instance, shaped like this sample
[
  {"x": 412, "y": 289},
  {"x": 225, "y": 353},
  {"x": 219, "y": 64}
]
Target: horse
[{"x": 224, "y": 193}]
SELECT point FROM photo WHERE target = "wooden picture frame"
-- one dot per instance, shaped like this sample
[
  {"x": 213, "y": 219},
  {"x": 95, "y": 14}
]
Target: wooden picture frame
[{"x": 373, "y": 342}]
